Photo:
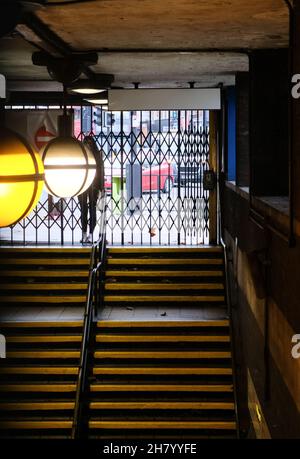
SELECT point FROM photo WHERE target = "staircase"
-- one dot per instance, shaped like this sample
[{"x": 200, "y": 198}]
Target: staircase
[
  {"x": 163, "y": 378},
  {"x": 38, "y": 378},
  {"x": 43, "y": 276},
  {"x": 164, "y": 276}
]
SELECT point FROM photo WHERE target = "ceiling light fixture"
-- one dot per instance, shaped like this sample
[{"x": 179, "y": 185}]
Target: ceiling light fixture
[
  {"x": 97, "y": 101},
  {"x": 92, "y": 86},
  {"x": 87, "y": 91},
  {"x": 21, "y": 178},
  {"x": 70, "y": 166}
]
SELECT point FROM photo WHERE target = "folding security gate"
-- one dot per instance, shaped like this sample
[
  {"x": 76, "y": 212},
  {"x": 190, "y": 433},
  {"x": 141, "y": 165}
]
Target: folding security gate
[{"x": 154, "y": 167}]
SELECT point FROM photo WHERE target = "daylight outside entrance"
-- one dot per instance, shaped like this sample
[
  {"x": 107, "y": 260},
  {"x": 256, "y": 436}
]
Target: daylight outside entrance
[{"x": 154, "y": 164}]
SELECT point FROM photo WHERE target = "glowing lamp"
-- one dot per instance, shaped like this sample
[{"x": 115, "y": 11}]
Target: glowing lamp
[
  {"x": 88, "y": 91},
  {"x": 92, "y": 86},
  {"x": 97, "y": 101},
  {"x": 70, "y": 167},
  {"x": 21, "y": 178}
]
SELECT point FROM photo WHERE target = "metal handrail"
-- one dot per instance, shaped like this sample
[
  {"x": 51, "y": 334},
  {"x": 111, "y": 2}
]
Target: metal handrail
[
  {"x": 95, "y": 269},
  {"x": 229, "y": 308}
]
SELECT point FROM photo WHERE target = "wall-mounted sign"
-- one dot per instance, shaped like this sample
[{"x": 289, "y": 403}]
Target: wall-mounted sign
[
  {"x": 42, "y": 136},
  {"x": 164, "y": 99},
  {"x": 37, "y": 126}
]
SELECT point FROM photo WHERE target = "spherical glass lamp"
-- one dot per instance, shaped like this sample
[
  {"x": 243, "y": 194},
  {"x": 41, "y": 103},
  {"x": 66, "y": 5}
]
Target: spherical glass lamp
[
  {"x": 70, "y": 167},
  {"x": 21, "y": 178}
]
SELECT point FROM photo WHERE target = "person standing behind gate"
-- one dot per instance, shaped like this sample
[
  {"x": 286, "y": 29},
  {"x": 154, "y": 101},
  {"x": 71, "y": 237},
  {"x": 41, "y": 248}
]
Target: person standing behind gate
[{"x": 88, "y": 199}]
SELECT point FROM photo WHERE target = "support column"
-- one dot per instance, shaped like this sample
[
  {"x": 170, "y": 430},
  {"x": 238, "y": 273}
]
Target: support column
[
  {"x": 296, "y": 115},
  {"x": 269, "y": 95},
  {"x": 242, "y": 129}
]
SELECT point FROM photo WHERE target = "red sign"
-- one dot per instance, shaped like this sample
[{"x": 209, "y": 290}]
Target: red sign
[{"x": 42, "y": 136}]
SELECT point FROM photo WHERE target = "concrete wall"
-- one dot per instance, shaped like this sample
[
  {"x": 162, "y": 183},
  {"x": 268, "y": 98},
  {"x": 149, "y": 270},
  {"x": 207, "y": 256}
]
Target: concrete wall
[
  {"x": 265, "y": 281},
  {"x": 266, "y": 314}
]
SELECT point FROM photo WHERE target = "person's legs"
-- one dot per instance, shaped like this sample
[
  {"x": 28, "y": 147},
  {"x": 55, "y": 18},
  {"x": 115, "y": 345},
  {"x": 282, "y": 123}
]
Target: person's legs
[
  {"x": 82, "y": 198},
  {"x": 93, "y": 198}
]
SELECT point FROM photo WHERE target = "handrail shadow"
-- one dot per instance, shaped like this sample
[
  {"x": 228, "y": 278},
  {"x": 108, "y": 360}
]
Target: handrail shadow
[{"x": 229, "y": 303}]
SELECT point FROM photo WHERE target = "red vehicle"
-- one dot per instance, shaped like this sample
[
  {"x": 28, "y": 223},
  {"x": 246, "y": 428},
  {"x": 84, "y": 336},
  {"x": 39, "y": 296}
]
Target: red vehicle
[{"x": 154, "y": 177}]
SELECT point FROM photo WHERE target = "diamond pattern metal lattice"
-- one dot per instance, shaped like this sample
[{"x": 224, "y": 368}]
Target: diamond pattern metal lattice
[{"x": 154, "y": 165}]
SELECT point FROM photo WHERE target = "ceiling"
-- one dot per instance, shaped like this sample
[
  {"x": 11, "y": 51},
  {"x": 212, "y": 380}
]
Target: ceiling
[
  {"x": 159, "y": 43},
  {"x": 170, "y": 24},
  {"x": 167, "y": 69}
]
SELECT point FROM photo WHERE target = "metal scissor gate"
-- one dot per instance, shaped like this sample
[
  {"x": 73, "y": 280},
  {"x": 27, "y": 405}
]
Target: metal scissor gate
[{"x": 154, "y": 165}]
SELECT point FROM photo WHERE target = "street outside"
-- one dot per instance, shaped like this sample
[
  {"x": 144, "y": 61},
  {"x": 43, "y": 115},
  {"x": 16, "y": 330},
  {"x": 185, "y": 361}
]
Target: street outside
[{"x": 156, "y": 218}]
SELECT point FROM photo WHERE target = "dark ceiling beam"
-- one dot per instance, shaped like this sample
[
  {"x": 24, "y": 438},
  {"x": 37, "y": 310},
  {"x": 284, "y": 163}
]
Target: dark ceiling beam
[
  {"x": 39, "y": 34},
  {"x": 34, "y": 85},
  {"x": 43, "y": 34},
  {"x": 42, "y": 98}
]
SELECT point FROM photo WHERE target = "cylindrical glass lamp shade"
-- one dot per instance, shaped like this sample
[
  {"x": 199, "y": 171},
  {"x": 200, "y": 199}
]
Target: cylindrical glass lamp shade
[
  {"x": 70, "y": 167},
  {"x": 21, "y": 178}
]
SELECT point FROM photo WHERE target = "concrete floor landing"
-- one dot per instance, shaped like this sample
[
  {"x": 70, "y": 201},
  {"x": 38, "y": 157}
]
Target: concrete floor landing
[{"x": 126, "y": 313}]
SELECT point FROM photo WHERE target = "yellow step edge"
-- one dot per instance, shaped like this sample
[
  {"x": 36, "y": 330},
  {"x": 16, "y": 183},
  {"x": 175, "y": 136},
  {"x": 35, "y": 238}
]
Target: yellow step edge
[
  {"x": 162, "y": 355},
  {"x": 160, "y": 371},
  {"x": 44, "y": 339},
  {"x": 161, "y": 405},
  {"x": 164, "y": 261},
  {"x": 39, "y": 406},
  {"x": 22, "y": 424},
  {"x": 161, "y": 338},
  {"x": 43, "y": 273},
  {"x": 51, "y": 250},
  {"x": 43, "y": 299},
  {"x": 157, "y": 324},
  {"x": 226, "y": 425},
  {"x": 39, "y": 370},
  {"x": 47, "y": 261},
  {"x": 161, "y": 388},
  {"x": 137, "y": 273},
  {"x": 48, "y": 286},
  {"x": 57, "y": 388},
  {"x": 152, "y": 249},
  {"x": 45, "y": 324},
  {"x": 43, "y": 355},
  {"x": 162, "y": 286},
  {"x": 161, "y": 298}
]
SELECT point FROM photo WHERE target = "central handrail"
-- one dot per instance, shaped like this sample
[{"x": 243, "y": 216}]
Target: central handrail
[{"x": 93, "y": 297}]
